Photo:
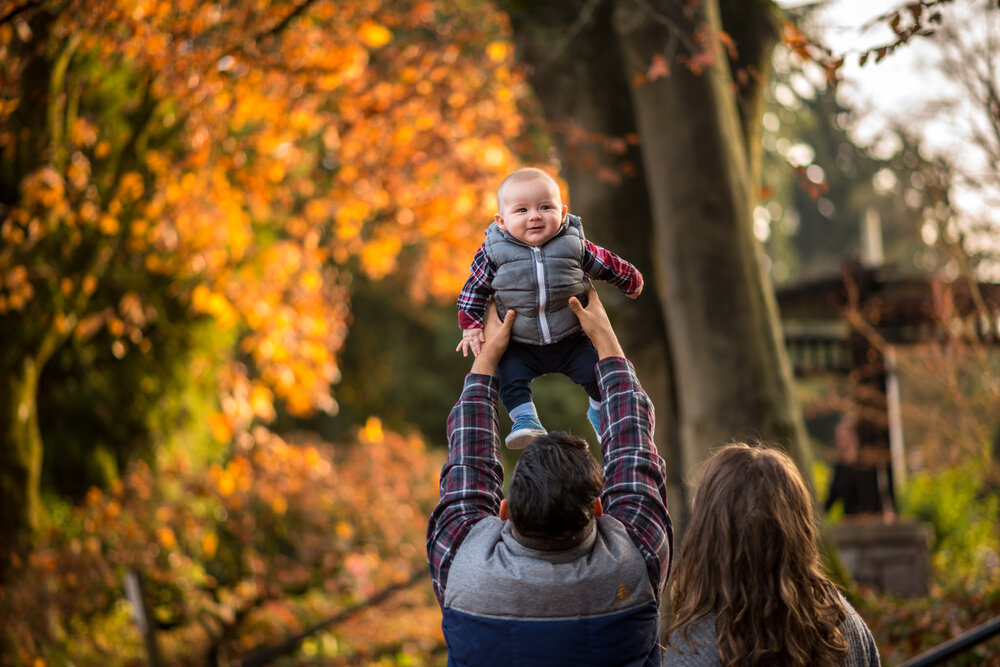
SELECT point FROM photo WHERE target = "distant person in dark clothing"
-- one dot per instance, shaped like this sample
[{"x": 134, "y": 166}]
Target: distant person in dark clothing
[
  {"x": 854, "y": 484},
  {"x": 844, "y": 482}
]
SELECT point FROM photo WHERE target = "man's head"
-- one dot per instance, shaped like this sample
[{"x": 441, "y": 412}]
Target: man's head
[
  {"x": 554, "y": 492},
  {"x": 530, "y": 206}
]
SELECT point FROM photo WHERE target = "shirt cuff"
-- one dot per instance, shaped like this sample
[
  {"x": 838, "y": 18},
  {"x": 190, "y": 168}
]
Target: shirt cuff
[
  {"x": 466, "y": 321},
  {"x": 637, "y": 287},
  {"x": 615, "y": 371},
  {"x": 478, "y": 385}
]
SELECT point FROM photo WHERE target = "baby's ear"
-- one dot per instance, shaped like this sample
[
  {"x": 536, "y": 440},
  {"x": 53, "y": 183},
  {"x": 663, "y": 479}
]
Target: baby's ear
[{"x": 499, "y": 220}]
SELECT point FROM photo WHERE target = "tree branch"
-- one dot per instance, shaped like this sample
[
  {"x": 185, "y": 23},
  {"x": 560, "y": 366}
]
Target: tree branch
[
  {"x": 669, "y": 24},
  {"x": 273, "y": 31},
  {"x": 12, "y": 14},
  {"x": 578, "y": 24},
  {"x": 266, "y": 655}
]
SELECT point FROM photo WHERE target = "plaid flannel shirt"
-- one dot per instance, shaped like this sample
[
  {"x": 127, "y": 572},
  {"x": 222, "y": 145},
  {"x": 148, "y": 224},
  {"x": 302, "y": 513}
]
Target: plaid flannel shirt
[
  {"x": 634, "y": 474},
  {"x": 598, "y": 264}
]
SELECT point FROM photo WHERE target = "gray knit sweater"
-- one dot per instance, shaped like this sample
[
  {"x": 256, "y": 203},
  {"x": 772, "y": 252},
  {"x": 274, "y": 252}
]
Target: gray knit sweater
[{"x": 702, "y": 650}]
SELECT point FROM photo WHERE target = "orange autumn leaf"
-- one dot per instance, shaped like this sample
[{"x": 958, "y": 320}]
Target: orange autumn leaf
[
  {"x": 350, "y": 521},
  {"x": 374, "y": 35},
  {"x": 218, "y": 171}
]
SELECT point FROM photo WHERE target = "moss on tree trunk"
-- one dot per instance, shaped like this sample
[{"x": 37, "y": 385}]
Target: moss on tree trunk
[{"x": 20, "y": 457}]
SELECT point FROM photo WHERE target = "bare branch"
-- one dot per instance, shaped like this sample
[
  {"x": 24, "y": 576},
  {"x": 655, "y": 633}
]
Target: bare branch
[
  {"x": 12, "y": 14},
  {"x": 281, "y": 25},
  {"x": 920, "y": 24},
  {"x": 672, "y": 27},
  {"x": 579, "y": 23},
  {"x": 264, "y": 656}
]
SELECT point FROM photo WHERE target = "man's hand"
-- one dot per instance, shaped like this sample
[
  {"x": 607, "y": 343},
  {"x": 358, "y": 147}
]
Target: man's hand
[
  {"x": 597, "y": 326},
  {"x": 497, "y": 335},
  {"x": 472, "y": 339}
]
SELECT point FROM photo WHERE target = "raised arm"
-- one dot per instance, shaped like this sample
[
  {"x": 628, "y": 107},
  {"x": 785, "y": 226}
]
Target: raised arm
[
  {"x": 475, "y": 295},
  {"x": 472, "y": 478},
  {"x": 473, "y": 301},
  {"x": 635, "y": 490},
  {"x": 602, "y": 264},
  {"x": 595, "y": 323}
]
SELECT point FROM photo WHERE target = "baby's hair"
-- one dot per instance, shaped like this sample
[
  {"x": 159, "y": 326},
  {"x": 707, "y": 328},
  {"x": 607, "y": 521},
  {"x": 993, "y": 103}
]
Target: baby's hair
[{"x": 521, "y": 175}]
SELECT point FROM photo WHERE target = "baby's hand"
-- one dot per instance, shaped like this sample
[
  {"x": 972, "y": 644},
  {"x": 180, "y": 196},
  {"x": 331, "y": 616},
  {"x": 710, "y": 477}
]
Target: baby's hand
[
  {"x": 471, "y": 339},
  {"x": 635, "y": 294}
]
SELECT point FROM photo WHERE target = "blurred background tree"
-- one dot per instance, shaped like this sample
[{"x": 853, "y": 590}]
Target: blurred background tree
[
  {"x": 821, "y": 191},
  {"x": 655, "y": 113},
  {"x": 216, "y": 218},
  {"x": 163, "y": 163}
]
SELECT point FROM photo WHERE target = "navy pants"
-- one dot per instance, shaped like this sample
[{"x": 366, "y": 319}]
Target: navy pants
[{"x": 573, "y": 356}]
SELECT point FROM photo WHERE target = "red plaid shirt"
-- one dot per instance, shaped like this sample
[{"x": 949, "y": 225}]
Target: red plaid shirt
[
  {"x": 598, "y": 263},
  {"x": 634, "y": 474}
]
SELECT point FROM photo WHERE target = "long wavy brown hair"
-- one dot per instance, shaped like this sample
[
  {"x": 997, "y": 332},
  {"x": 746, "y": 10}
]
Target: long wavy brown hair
[{"x": 750, "y": 556}]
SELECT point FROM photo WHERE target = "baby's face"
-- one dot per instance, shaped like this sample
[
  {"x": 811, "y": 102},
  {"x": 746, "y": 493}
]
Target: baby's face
[{"x": 531, "y": 211}]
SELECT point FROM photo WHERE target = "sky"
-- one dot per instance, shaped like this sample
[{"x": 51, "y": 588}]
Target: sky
[
  {"x": 902, "y": 86},
  {"x": 901, "y": 81}
]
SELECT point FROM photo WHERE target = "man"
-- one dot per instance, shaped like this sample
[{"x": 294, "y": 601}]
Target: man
[{"x": 567, "y": 570}]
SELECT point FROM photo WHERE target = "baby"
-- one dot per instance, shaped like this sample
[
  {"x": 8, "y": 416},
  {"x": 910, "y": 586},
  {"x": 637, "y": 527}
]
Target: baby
[{"x": 534, "y": 259}]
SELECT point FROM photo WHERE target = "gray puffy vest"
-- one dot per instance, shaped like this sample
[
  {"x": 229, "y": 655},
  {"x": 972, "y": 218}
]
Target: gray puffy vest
[
  {"x": 588, "y": 606},
  {"x": 537, "y": 282}
]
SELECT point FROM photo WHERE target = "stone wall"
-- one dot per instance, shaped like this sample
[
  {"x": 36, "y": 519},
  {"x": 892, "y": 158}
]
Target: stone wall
[{"x": 891, "y": 557}]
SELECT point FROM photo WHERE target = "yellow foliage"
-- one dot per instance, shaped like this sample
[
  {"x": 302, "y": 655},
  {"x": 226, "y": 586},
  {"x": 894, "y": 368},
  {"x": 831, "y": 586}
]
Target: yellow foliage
[
  {"x": 262, "y": 402},
  {"x": 204, "y": 300},
  {"x": 165, "y": 536},
  {"x": 220, "y": 427},
  {"x": 372, "y": 431},
  {"x": 265, "y": 170},
  {"x": 276, "y": 172},
  {"x": 348, "y": 522},
  {"x": 379, "y": 256},
  {"x": 227, "y": 484},
  {"x": 78, "y": 172},
  {"x": 498, "y": 51},
  {"x": 130, "y": 187},
  {"x": 84, "y": 132},
  {"x": 343, "y": 530},
  {"x": 374, "y": 35},
  {"x": 88, "y": 211},
  {"x": 108, "y": 225},
  {"x": 44, "y": 188},
  {"x": 209, "y": 544}
]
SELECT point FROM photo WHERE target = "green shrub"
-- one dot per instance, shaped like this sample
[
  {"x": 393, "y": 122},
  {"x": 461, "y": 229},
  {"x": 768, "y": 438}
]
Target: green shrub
[
  {"x": 965, "y": 517},
  {"x": 963, "y": 511}
]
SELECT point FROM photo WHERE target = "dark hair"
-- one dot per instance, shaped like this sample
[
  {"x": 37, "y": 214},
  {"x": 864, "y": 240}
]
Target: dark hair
[
  {"x": 553, "y": 488},
  {"x": 750, "y": 556}
]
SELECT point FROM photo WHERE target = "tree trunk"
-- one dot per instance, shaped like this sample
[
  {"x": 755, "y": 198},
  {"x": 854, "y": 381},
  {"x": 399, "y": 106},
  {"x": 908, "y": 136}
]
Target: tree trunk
[
  {"x": 705, "y": 333},
  {"x": 20, "y": 457},
  {"x": 753, "y": 27},
  {"x": 732, "y": 371},
  {"x": 578, "y": 78}
]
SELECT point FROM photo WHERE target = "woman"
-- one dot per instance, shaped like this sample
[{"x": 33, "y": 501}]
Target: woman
[{"x": 749, "y": 588}]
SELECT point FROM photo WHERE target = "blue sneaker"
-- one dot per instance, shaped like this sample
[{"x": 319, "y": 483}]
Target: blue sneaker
[
  {"x": 594, "y": 415},
  {"x": 525, "y": 429}
]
